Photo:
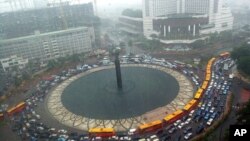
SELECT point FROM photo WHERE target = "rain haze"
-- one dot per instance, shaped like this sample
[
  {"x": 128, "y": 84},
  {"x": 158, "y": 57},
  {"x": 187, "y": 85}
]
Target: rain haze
[{"x": 102, "y": 70}]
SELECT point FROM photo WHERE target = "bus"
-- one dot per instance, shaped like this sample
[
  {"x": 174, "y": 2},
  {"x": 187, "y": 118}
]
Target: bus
[
  {"x": 101, "y": 132},
  {"x": 1, "y": 117},
  {"x": 208, "y": 76},
  {"x": 150, "y": 127},
  {"x": 191, "y": 104},
  {"x": 16, "y": 109},
  {"x": 197, "y": 96},
  {"x": 225, "y": 54},
  {"x": 173, "y": 117},
  {"x": 204, "y": 85}
]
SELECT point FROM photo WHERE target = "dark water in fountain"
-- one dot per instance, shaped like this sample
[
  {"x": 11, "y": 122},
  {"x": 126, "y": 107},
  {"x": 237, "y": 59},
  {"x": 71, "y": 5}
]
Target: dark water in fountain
[{"x": 96, "y": 95}]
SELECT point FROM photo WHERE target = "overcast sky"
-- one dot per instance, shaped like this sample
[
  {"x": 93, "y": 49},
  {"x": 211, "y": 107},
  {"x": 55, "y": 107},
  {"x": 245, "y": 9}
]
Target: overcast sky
[
  {"x": 5, "y": 6},
  {"x": 104, "y": 4}
]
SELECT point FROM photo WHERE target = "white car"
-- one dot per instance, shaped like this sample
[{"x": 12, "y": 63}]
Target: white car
[
  {"x": 209, "y": 104},
  {"x": 188, "y": 136},
  {"x": 177, "y": 122},
  {"x": 64, "y": 136},
  {"x": 181, "y": 125},
  {"x": 131, "y": 131},
  {"x": 154, "y": 137},
  {"x": 203, "y": 106},
  {"x": 210, "y": 121},
  {"x": 38, "y": 116},
  {"x": 212, "y": 110},
  {"x": 52, "y": 130},
  {"x": 62, "y": 131},
  {"x": 191, "y": 113},
  {"x": 188, "y": 120}
]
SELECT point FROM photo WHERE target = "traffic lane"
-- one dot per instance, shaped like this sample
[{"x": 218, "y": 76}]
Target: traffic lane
[{"x": 232, "y": 118}]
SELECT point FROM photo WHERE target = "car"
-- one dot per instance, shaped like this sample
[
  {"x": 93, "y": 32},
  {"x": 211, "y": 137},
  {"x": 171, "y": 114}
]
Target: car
[
  {"x": 172, "y": 130},
  {"x": 198, "y": 118},
  {"x": 184, "y": 118},
  {"x": 221, "y": 104},
  {"x": 199, "y": 105},
  {"x": 188, "y": 121},
  {"x": 199, "y": 129},
  {"x": 177, "y": 122},
  {"x": 131, "y": 131},
  {"x": 207, "y": 116},
  {"x": 40, "y": 128},
  {"x": 214, "y": 115},
  {"x": 153, "y": 137},
  {"x": 210, "y": 121},
  {"x": 191, "y": 113},
  {"x": 219, "y": 86},
  {"x": 64, "y": 136},
  {"x": 215, "y": 84},
  {"x": 218, "y": 98},
  {"x": 178, "y": 138},
  {"x": 187, "y": 129},
  {"x": 169, "y": 127},
  {"x": 62, "y": 131},
  {"x": 38, "y": 116},
  {"x": 209, "y": 103},
  {"x": 165, "y": 138},
  {"x": 198, "y": 112},
  {"x": 209, "y": 96},
  {"x": 215, "y": 103},
  {"x": 212, "y": 110},
  {"x": 203, "y": 106},
  {"x": 181, "y": 125},
  {"x": 188, "y": 136},
  {"x": 207, "y": 109},
  {"x": 203, "y": 113},
  {"x": 52, "y": 130}
]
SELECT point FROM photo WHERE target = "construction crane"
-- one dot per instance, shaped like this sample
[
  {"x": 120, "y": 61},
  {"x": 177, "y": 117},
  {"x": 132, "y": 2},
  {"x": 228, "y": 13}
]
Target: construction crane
[
  {"x": 11, "y": 4},
  {"x": 16, "y": 4},
  {"x": 59, "y": 3}
]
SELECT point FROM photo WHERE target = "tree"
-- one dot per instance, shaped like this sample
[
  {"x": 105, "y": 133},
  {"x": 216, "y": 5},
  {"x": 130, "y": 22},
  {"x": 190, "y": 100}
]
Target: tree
[
  {"x": 132, "y": 13},
  {"x": 130, "y": 43},
  {"x": 242, "y": 57},
  {"x": 122, "y": 44},
  {"x": 246, "y": 27},
  {"x": 153, "y": 36},
  {"x": 242, "y": 51},
  {"x": 51, "y": 64},
  {"x": 17, "y": 81},
  {"x": 244, "y": 114},
  {"x": 198, "y": 44},
  {"x": 244, "y": 65}
]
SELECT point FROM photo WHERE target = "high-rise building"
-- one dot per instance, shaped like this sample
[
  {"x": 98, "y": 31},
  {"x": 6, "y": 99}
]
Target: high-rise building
[
  {"x": 160, "y": 12},
  {"x": 40, "y": 3},
  {"x": 50, "y": 45},
  {"x": 49, "y": 19}
]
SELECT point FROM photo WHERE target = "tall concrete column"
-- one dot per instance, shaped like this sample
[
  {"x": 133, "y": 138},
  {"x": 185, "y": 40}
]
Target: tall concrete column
[
  {"x": 194, "y": 30},
  {"x": 169, "y": 29},
  {"x": 118, "y": 69},
  {"x": 164, "y": 31}
]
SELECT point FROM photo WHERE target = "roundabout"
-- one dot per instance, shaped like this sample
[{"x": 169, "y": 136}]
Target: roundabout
[{"x": 89, "y": 99}]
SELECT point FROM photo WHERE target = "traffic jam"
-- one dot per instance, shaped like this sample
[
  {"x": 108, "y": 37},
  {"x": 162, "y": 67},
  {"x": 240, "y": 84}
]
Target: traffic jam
[{"x": 197, "y": 115}]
